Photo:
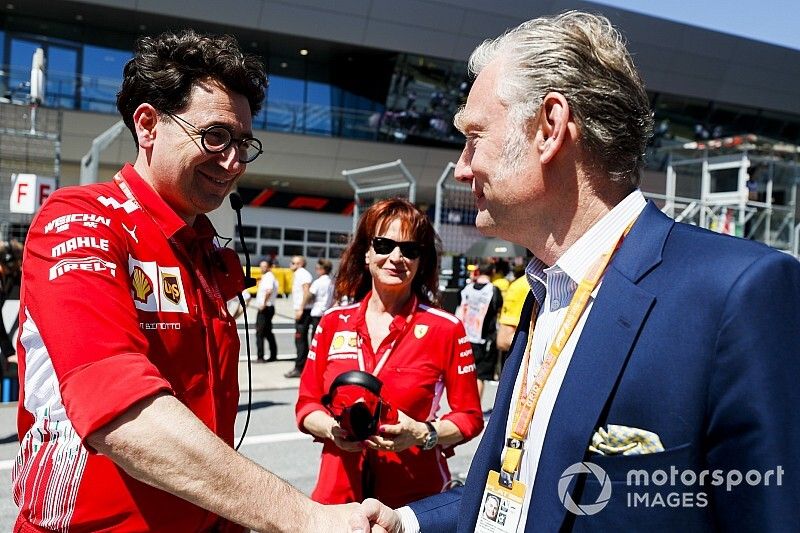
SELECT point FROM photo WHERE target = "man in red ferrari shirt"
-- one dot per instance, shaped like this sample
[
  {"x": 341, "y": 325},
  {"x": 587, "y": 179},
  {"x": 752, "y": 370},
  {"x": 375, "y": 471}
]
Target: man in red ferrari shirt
[{"x": 128, "y": 355}]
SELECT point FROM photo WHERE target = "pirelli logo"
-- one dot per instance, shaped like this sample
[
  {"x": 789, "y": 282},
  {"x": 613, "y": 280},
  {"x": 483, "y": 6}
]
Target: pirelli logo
[{"x": 86, "y": 264}]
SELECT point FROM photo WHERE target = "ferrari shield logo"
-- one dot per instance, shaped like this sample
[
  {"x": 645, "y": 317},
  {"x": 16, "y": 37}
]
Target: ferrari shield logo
[{"x": 420, "y": 330}]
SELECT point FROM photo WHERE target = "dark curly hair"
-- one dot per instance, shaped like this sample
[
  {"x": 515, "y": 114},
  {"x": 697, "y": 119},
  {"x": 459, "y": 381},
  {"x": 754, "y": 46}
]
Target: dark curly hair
[
  {"x": 354, "y": 280},
  {"x": 165, "y": 67}
]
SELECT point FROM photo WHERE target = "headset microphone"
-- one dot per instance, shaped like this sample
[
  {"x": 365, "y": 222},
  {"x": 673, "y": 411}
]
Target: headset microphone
[{"x": 237, "y": 204}]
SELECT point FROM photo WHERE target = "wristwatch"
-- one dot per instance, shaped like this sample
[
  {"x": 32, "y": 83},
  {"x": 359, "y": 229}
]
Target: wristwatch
[{"x": 431, "y": 439}]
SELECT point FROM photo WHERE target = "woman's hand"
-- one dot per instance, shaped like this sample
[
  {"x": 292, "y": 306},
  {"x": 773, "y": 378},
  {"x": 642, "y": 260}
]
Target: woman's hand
[
  {"x": 339, "y": 438},
  {"x": 398, "y": 437},
  {"x": 322, "y": 425}
]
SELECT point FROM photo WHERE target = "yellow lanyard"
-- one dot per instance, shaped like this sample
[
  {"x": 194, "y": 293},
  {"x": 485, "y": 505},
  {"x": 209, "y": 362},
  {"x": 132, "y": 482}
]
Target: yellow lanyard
[{"x": 526, "y": 403}]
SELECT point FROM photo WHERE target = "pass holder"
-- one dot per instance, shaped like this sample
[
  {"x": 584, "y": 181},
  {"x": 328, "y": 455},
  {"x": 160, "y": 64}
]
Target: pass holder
[{"x": 501, "y": 507}]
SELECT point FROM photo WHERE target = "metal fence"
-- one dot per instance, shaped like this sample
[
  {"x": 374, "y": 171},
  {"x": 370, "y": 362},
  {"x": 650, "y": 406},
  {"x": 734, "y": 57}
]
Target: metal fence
[{"x": 29, "y": 143}]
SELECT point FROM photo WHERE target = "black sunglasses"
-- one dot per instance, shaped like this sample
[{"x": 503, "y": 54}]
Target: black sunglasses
[
  {"x": 217, "y": 138},
  {"x": 385, "y": 246}
]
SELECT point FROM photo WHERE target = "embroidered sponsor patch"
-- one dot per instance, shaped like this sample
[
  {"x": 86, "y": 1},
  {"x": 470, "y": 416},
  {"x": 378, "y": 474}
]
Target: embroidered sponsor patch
[
  {"x": 159, "y": 325},
  {"x": 62, "y": 223},
  {"x": 420, "y": 330},
  {"x": 343, "y": 342},
  {"x": 156, "y": 288},
  {"x": 129, "y": 206},
  {"x": 467, "y": 369},
  {"x": 142, "y": 286},
  {"x": 172, "y": 297},
  {"x": 75, "y": 243},
  {"x": 90, "y": 264}
]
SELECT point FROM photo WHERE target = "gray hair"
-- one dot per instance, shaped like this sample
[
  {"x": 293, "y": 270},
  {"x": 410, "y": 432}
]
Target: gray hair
[{"x": 583, "y": 57}]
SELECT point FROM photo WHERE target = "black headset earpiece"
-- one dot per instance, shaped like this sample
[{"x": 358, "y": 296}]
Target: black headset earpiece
[{"x": 354, "y": 377}]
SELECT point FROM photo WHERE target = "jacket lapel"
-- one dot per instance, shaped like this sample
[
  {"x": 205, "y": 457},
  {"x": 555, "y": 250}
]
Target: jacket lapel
[
  {"x": 487, "y": 456},
  {"x": 607, "y": 339}
]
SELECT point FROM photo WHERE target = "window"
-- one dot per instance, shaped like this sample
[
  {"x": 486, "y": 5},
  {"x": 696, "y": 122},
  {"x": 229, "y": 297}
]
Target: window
[
  {"x": 293, "y": 249},
  {"x": 251, "y": 247},
  {"x": 62, "y": 83},
  {"x": 270, "y": 233},
  {"x": 334, "y": 252},
  {"x": 337, "y": 237},
  {"x": 247, "y": 231},
  {"x": 102, "y": 77},
  {"x": 269, "y": 250},
  {"x": 315, "y": 251},
  {"x": 317, "y": 236},
  {"x": 285, "y": 111},
  {"x": 61, "y": 69},
  {"x": 290, "y": 234}
]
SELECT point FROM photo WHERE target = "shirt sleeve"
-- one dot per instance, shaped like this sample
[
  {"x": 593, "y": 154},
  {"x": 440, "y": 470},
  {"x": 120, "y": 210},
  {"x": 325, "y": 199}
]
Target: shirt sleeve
[
  {"x": 312, "y": 388},
  {"x": 79, "y": 317},
  {"x": 461, "y": 385}
]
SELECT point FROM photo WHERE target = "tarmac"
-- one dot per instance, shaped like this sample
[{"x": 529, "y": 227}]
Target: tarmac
[{"x": 269, "y": 376}]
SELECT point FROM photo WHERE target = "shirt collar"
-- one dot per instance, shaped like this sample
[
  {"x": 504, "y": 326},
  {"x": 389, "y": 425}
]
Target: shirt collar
[
  {"x": 162, "y": 214},
  {"x": 398, "y": 323},
  {"x": 580, "y": 257}
]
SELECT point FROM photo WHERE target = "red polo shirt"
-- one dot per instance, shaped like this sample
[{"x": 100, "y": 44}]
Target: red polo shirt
[
  {"x": 429, "y": 353},
  {"x": 120, "y": 300}
]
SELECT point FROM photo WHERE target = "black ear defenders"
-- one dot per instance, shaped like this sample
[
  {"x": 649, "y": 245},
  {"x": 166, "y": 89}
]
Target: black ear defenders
[{"x": 354, "y": 400}]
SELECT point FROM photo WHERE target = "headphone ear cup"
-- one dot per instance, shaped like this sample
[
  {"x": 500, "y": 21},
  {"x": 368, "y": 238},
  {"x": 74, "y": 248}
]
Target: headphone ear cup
[{"x": 362, "y": 421}]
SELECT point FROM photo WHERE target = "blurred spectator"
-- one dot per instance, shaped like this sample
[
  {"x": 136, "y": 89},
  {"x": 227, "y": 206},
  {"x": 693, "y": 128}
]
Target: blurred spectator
[
  {"x": 512, "y": 308},
  {"x": 265, "y": 303},
  {"x": 481, "y": 302},
  {"x": 321, "y": 292}
]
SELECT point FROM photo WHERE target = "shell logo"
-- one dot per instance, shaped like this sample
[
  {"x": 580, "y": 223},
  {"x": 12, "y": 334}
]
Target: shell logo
[
  {"x": 338, "y": 341},
  {"x": 142, "y": 286}
]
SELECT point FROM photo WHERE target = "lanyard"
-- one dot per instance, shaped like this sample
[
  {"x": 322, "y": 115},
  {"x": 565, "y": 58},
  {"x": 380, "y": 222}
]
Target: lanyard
[
  {"x": 526, "y": 402},
  {"x": 388, "y": 351}
]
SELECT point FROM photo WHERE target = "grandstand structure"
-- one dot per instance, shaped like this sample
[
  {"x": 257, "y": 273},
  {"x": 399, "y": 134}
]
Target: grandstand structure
[{"x": 356, "y": 84}]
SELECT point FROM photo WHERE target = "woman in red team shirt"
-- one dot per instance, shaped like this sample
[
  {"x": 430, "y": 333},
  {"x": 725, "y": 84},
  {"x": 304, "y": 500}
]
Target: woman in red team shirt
[{"x": 416, "y": 350}]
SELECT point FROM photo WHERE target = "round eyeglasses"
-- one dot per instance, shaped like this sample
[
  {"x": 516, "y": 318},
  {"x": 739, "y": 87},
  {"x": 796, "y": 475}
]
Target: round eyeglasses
[{"x": 217, "y": 138}]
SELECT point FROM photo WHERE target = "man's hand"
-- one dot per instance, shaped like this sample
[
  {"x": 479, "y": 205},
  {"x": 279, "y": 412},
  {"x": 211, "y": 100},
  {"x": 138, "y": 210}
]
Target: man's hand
[
  {"x": 348, "y": 517},
  {"x": 383, "y": 519}
]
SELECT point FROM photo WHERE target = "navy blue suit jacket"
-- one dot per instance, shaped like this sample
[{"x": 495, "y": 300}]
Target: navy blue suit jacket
[{"x": 693, "y": 336}]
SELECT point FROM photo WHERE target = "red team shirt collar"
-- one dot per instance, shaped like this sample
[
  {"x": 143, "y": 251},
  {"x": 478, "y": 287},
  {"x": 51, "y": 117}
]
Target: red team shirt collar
[
  {"x": 163, "y": 215},
  {"x": 396, "y": 328}
]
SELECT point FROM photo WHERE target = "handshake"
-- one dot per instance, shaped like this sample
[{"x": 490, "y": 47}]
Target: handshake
[{"x": 373, "y": 516}]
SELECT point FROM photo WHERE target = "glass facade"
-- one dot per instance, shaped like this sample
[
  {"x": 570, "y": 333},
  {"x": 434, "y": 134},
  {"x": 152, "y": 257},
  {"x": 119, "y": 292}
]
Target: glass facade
[{"x": 326, "y": 89}]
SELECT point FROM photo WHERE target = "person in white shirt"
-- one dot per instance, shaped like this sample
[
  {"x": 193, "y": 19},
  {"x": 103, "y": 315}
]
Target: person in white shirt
[
  {"x": 321, "y": 292},
  {"x": 645, "y": 345},
  {"x": 265, "y": 303},
  {"x": 301, "y": 305}
]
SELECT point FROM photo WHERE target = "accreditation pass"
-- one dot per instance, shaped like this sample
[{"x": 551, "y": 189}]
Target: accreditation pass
[{"x": 501, "y": 508}]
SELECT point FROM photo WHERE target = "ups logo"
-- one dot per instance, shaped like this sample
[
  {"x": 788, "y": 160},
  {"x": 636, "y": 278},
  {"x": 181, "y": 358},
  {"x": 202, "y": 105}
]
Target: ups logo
[{"x": 172, "y": 289}]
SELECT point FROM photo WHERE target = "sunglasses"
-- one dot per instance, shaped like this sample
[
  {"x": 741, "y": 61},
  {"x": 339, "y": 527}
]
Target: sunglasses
[{"x": 385, "y": 246}]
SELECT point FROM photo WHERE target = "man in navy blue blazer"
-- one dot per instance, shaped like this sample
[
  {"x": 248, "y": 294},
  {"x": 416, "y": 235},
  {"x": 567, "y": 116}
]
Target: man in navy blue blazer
[{"x": 674, "y": 402}]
